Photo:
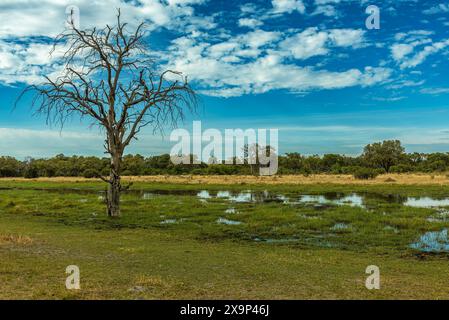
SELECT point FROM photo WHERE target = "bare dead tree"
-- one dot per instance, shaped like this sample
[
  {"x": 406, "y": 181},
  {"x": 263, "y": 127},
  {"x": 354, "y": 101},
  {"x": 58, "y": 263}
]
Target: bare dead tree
[{"x": 110, "y": 78}]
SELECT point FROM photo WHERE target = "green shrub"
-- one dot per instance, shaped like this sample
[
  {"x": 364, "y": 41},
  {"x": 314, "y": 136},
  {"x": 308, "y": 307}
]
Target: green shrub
[
  {"x": 90, "y": 173},
  {"x": 30, "y": 172},
  {"x": 401, "y": 168},
  {"x": 366, "y": 173},
  {"x": 349, "y": 169},
  {"x": 127, "y": 173},
  {"x": 197, "y": 172}
]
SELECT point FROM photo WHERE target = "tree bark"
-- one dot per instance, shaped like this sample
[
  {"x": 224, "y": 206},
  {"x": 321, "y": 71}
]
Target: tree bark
[{"x": 114, "y": 187}]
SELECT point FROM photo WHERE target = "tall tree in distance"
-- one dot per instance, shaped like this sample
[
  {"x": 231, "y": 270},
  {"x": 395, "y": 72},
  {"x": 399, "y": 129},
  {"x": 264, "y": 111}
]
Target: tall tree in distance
[
  {"x": 384, "y": 154},
  {"x": 110, "y": 78}
]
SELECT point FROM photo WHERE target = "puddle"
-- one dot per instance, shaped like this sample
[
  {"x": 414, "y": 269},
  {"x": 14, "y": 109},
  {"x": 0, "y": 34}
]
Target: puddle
[
  {"x": 242, "y": 197},
  {"x": 426, "y": 202},
  {"x": 323, "y": 201},
  {"x": 283, "y": 198},
  {"x": 223, "y": 194},
  {"x": 432, "y": 242},
  {"x": 228, "y": 222},
  {"x": 353, "y": 200},
  {"x": 204, "y": 194},
  {"x": 340, "y": 226},
  {"x": 168, "y": 221}
]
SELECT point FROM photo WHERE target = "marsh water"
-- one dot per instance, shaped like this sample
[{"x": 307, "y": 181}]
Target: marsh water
[
  {"x": 354, "y": 199},
  {"x": 361, "y": 200},
  {"x": 431, "y": 241}
]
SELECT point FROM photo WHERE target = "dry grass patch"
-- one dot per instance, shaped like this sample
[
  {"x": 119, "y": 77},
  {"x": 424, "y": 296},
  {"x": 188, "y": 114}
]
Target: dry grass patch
[
  {"x": 15, "y": 239},
  {"x": 340, "y": 179}
]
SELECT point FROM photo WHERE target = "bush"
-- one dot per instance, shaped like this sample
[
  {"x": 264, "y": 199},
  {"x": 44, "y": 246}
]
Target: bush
[
  {"x": 349, "y": 169},
  {"x": 30, "y": 172},
  {"x": 438, "y": 166},
  {"x": 366, "y": 173},
  {"x": 90, "y": 173},
  {"x": 336, "y": 169},
  {"x": 128, "y": 173},
  {"x": 401, "y": 168},
  {"x": 197, "y": 172}
]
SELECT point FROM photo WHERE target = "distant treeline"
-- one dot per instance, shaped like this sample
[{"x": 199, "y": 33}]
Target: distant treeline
[{"x": 382, "y": 157}]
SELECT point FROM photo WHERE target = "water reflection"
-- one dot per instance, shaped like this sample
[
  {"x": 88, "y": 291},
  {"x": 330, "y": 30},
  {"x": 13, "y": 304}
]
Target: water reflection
[
  {"x": 332, "y": 198},
  {"x": 340, "y": 226},
  {"x": 227, "y": 221},
  {"x": 168, "y": 221},
  {"x": 230, "y": 211},
  {"x": 354, "y": 199},
  {"x": 204, "y": 194},
  {"x": 426, "y": 202},
  {"x": 432, "y": 242}
]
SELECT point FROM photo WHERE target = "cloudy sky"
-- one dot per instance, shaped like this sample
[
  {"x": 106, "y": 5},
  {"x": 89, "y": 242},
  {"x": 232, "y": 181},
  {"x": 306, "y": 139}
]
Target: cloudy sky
[{"x": 310, "y": 68}]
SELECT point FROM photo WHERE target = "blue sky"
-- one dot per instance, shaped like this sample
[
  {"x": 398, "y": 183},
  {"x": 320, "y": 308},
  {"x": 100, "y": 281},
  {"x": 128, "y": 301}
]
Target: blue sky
[{"x": 310, "y": 68}]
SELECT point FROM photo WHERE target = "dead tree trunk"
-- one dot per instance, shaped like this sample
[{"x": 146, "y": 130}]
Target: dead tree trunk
[{"x": 114, "y": 186}]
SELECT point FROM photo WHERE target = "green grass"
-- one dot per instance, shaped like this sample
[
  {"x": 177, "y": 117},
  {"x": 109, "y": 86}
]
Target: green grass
[
  {"x": 290, "y": 251},
  {"x": 409, "y": 190}
]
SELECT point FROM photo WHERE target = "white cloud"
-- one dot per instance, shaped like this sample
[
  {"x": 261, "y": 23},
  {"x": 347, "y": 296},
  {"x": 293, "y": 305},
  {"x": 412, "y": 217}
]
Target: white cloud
[
  {"x": 421, "y": 56},
  {"x": 415, "y": 48},
  {"x": 435, "y": 91},
  {"x": 440, "y": 8},
  {"x": 221, "y": 63},
  {"x": 260, "y": 73},
  {"x": 248, "y": 8},
  {"x": 259, "y": 38},
  {"x": 28, "y": 59},
  {"x": 306, "y": 44},
  {"x": 321, "y": 2},
  {"x": 347, "y": 37},
  {"x": 399, "y": 51},
  {"x": 312, "y": 42},
  {"x": 388, "y": 99},
  {"x": 288, "y": 6},
  {"x": 23, "y": 18},
  {"x": 250, "y": 23},
  {"x": 400, "y": 84},
  {"x": 27, "y": 62},
  {"x": 326, "y": 10}
]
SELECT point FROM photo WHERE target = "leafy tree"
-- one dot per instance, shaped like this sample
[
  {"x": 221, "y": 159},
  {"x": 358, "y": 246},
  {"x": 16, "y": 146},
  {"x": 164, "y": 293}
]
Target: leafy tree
[{"x": 384, "y": 154}]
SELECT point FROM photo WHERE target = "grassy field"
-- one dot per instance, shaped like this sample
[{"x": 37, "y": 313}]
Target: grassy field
[{"x": 175, "y": 242}]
